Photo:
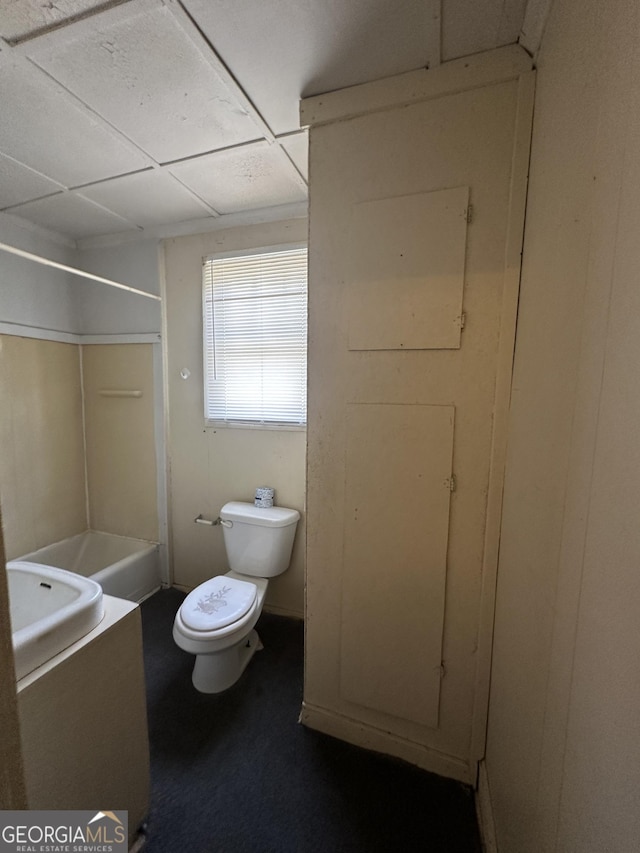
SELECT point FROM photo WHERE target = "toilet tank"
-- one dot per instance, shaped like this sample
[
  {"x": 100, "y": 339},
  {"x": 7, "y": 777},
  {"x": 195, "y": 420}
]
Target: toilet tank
[{"x": 259, "y": 540}]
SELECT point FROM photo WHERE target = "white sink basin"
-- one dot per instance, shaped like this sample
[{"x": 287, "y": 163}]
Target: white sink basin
[{"x": 50, "y": 609}]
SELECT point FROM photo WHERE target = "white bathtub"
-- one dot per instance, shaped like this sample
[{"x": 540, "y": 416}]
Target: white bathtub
[{"x": 126, "y": 568}]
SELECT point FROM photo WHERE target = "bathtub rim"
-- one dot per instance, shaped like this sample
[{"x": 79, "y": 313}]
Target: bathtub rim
[
  {"x": 110, "y": 573},
  {"x": 83, "y": 533}
]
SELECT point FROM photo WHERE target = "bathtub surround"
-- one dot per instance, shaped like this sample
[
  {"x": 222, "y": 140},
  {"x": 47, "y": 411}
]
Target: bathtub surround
[
  {"x": 44, "y": 429},
  {"x": 43, "y": 484},
  {"x": 236, "y": 772},
  {"x": 42, "y": 477},
  {"x": 120, "y": 446}
]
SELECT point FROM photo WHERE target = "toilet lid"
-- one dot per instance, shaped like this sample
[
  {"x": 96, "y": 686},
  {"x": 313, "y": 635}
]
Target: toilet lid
[{"x": 217, "y": 603}]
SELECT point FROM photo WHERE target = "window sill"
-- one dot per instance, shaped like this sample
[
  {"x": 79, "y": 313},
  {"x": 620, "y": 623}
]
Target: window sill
[{"x": 216, "y": 425}]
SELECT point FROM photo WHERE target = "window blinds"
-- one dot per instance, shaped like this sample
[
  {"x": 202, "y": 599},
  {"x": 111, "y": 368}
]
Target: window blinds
[{"x": 255, "y": 338}]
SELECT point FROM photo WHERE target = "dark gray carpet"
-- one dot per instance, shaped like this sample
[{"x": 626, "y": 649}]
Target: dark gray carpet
[{"x": 236, "y": 772}]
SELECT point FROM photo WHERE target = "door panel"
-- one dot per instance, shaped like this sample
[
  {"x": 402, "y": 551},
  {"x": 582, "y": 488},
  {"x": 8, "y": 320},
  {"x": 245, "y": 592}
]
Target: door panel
[
  {"x": 405, "y": 288},
  {"x": 396, "y": 532}
]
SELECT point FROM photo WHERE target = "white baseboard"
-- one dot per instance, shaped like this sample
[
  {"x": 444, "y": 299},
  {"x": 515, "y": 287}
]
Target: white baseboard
[
  {"x": 369, "y": 737},
  {"x": 484, "y": 811},
  {"x": 283, "y": 611}
]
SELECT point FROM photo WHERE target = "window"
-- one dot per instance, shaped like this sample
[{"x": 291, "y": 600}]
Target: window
[{"x": 255, "y": 338}]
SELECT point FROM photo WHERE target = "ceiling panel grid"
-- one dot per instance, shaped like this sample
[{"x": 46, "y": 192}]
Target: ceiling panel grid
[{"x": 125, "y": 116}]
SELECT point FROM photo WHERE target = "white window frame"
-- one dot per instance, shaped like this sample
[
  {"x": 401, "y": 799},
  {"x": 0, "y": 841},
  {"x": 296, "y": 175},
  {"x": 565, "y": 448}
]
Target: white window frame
[{"x": 208, "y": 361}]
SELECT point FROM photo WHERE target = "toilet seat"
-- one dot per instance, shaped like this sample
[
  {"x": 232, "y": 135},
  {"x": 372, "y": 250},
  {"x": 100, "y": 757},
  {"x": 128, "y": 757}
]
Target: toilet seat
[
  {"x": 214, "y": 641},
  {"x": 218, "y": 603}
]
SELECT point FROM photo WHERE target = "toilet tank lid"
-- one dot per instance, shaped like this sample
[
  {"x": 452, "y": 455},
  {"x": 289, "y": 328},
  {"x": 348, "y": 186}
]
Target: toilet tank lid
[{"x": 275, "y": 516}]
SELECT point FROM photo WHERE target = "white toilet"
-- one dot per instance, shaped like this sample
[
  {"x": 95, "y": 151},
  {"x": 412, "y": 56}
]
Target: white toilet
[{"x": 216, "y": 619}]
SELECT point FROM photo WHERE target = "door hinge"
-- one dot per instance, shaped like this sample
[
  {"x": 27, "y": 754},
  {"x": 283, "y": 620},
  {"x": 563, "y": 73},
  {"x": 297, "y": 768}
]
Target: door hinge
[
  {"x": 461, "y": 319},
  {"x": 470, "y": 213},
  {"x": 451, "y": 483}
]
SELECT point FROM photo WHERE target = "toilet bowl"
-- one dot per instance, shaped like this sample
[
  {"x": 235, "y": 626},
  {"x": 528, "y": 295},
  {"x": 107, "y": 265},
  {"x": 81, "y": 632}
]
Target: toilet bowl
[
  {"x": 216, "y": 620},
  {"x": 222, "y": 650}
]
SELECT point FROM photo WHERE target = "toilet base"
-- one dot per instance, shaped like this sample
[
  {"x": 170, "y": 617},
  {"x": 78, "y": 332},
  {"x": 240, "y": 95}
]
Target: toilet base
[{"x": 216, "y": 672}]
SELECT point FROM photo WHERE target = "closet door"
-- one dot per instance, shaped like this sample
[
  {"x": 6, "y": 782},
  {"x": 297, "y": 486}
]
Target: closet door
[{"x": 395, "y": 557}]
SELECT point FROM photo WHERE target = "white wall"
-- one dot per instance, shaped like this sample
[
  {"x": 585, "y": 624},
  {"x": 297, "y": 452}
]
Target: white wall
[
  {"x": 104, "y": 310},
  {"x": 33, "y": 295},
  {"x": 38, "y": 296},
  {"x": 208, "y": 466},
  {"x": 563, "y": 756}
]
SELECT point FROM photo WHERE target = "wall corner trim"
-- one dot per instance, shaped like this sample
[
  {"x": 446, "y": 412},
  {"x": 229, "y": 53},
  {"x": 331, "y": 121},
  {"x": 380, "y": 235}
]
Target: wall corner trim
[
  {"x": 458, "y": 75},
  {"x": 124, "y": 338},
  {"x": 484, "y": 811},
  {"x": 533, "y": 26}
]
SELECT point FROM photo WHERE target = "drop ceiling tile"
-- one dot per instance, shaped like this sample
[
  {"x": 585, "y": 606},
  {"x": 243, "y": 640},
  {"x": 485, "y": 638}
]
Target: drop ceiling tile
[
  {"x": 470, "y": 27},
  {"x": 297, "y": 147},
  {"x": 19, "y": 18},
  {"x": 307, "y": 47},
  {"x": 19, "y": 184},
  {"x": 72, "y": 216},
  {"x": 240, "y": 179},
  {"x": 148, "y": 199},
  {"x": 43, "y": 128},
  {"x": 145, "y": 76}
]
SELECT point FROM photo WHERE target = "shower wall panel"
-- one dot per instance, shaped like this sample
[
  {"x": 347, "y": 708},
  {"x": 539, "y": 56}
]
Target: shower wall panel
[{"x": 42, "y": 482}]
